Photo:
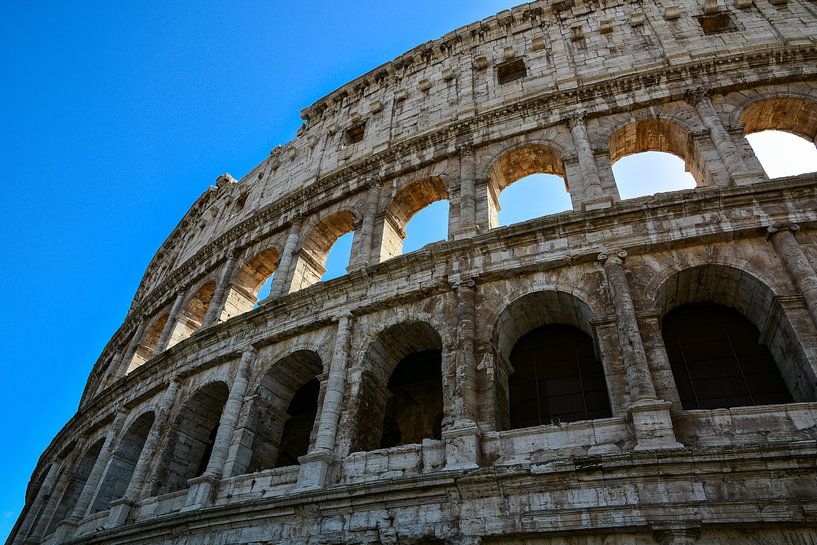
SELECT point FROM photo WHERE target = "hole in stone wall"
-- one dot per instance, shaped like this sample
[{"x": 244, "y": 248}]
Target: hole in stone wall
[
  {"x": 302, "y": 412},
  {"x": 716, "y": 23},
  {"x": 338, "y": 257},
  {"x": 327, "y": 236},
  {"x": 265, "y": 290},
  {"x": 783, "y": 154},
  {"x": 247, "y": 286},
  {"x": 649, "y": 173},
  {"x": 533, "y": 197},
  {"x": 355, "y": 134},
  {"x": 511, "y": 71},
  {"x": 556, "y": 378},
  {"x": 718, "y": 361},
  {"x": 417, "y": 215}
]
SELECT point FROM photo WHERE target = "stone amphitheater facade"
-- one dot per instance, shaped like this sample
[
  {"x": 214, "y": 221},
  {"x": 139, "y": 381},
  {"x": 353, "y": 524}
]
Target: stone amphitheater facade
[{"x": 185, "y": 432}]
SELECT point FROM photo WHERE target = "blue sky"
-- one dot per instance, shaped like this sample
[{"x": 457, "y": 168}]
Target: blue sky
[{"x": 117, "y": 116}]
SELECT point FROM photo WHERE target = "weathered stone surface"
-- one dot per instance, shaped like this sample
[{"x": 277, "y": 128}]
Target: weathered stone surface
[{"x": 184, "y": 434}]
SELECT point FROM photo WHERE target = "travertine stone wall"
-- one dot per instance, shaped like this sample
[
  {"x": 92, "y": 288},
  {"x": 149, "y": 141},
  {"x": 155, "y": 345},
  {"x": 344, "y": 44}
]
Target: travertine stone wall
[{"x": 178, "y": 434}]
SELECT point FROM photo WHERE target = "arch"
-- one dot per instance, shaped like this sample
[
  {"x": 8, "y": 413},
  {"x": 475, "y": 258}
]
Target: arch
[
  {"x": 658, "y": 135},
  {"x": 717, "y": 361},
  {"x": 192, "y": 314},
  {"x": 405, "y": 358},
  {"x": 796, "y": 115},
  {"x": 280, "y": 425},
  {"x": 406, "y": 203},
  {"x": 77, "y": 479},
  {"x": 149, "y": 341},
  {"x": 247, "y": 282},
  {"x": 311, "y": 263},
  {"x": 752, "y": 298},
  {"x": 191, "y": 439},
  {"x": 519, "y": 162},
  {"x": 538, "y": 323},
  {"x": 123, "y": 462}
]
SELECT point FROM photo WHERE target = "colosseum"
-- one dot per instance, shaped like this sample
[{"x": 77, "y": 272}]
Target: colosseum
[{"x": 401, "y": 403}]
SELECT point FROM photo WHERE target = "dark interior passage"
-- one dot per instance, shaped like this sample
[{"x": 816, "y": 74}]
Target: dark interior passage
[
  {"x": 556, "y": 378},
  {"x": 415, "y": 409},
  {"x": 717, "y": 359},
  {"x": 298, "y": 427}
]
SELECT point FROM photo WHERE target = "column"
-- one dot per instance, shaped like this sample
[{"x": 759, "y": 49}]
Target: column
[
  {"x": 283, "y": 276},
  {"x": 219, "y": 298},
  {"x": 121, "y": 508},
  {"x": 362, "y": 258},
  {"x": 66, "y": 528},
  {"x": 39, "y": 503},
  {"x": 133, "y": 346},
  {"x": 462, "y": 439},
  {"x": 651, "y": 417},
  {"x": 594, "y": 196},
  {"x": 468, "y": 174},
  {"x": 201, "y": 488},
  {"x": 170, "y": 324},
  {"x": 731, "y": 157},
  {"x": 53, "y": 501},
  {"x": 796, "y": 262},
  {"x": 315, "y": 465}
]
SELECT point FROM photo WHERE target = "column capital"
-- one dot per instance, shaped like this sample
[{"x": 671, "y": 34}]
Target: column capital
[
  {"x": 373, "y": 182},
  {"x": 342, "y": 315},
  {"x": 781, "y": 227},
  {"x": 576, "y": 118},
  {"x": 696, "y": 95},
  {"x": 613, "y": 258}
]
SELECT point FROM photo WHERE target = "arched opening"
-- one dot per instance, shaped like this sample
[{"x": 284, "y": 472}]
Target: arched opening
[
  {"x": 418, "y": 215},
  {"x": 401, "y": 388},
  {"x": 553, "y": 372},
  {"x": 147, "y": 346},
  {"x": 283, "y": 412},
  {"x": 725, "y": 299},
  {"x": 653, "y": 156},
  {"x": 311, "y": 264},
  {"x": 192, "y": 437},
  {"x": 717, "y": 359},
  {"x": 192, "y": 315},
  {"x": 783, "y": 134},
  {"x": 338, "y": 257},
  {"x": 123, "y": 463},
  {"x": 76, "y": 483},
  {"x": 539, "y": 185},
  {"x": 247, "y": 287}
]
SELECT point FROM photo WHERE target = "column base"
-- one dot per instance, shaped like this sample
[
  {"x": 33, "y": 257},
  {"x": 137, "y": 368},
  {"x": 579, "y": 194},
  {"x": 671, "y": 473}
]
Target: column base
[
  {"x": 462, "y": 446},
  {"x": 119, "y": 512},
  {"x": 469, "y": 232},
  {"x": 201, "y": 491},
  {"x": 65, "y": 530},
  {"x": 653, "y": 425},
  {"x": 597, "y": 204},
  {"x": 314, "y": 470},
  {"x": 747, "y": 178}
]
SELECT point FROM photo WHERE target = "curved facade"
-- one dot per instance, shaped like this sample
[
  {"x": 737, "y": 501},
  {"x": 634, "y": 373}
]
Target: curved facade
[{"x": 631, "y": 371}]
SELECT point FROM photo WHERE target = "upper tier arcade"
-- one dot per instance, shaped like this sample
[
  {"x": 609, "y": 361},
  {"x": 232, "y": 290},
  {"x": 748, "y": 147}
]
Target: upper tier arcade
[{"x": 549, "y": 380}]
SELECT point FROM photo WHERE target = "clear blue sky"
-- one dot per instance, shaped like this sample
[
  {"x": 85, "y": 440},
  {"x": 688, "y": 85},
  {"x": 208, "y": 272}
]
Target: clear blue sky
[{"x": 117, "y": 116}]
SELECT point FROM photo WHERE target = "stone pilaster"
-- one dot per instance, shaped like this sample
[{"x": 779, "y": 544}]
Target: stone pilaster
[
  {"x": 202, "y": 488},
  {"x": 796, "y": 262},
  {"x": 462, "y": 438},
  {"x": 729, "y": 154},
  {"x": 362, "y": 258},
  {"x": 133, "y": 346},
  {"x": 316, "y": 464},
  {"x": 219, "y": 298},
  {"x": 283, "y": 274},
  {"x": 120, "y": 509},
  {"x": 467, "y": 201},
  {"x": 170, "y": 324},
  {"x": 66, "y": 528},
  {"x": 594, "y": 196},
  {"x": 38, "y": 504},
  {"x": 650, "y": 416}
]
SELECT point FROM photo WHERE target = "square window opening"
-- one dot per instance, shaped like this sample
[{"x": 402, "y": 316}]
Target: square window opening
[
  {"x": 716, "y": 23},
  {"x": 511, "y": 71}
]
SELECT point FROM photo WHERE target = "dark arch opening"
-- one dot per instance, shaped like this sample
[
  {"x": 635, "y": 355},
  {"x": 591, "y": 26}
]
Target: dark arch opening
[
  {"x": 297, "y": 430},
  {"x": 123, "y": 463},
  {"x": 191, "y": 442},
  {"x": 557, "y": 378},
  {"x": 414, "y": 410},
  {"x": 77, "y": 479},
  {"x": 717, "y": 359}
]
